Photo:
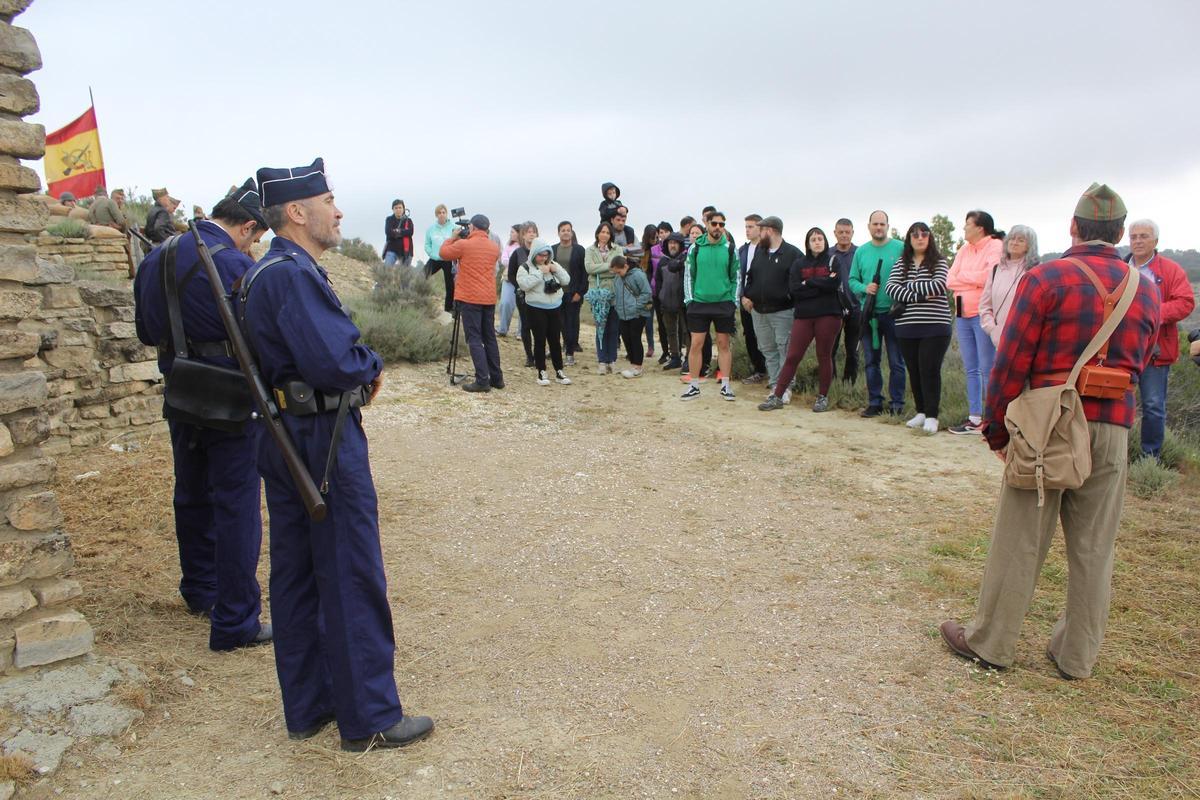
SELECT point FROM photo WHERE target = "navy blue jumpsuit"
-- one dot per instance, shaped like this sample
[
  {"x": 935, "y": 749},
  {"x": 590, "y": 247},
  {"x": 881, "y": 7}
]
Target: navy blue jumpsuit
[
  {"x": 218, "y": 522},
  {"x": 334, "y": 645}
]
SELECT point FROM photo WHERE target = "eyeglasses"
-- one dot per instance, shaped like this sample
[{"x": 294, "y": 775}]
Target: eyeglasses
[
  {"x": 716, "y": 224},
  {"x": 1134, "y": 237},
  {"x": 920, "y": 234}
]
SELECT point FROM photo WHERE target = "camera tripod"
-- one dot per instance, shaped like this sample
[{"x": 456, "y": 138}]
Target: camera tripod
[{"x": 455, "y": 336}]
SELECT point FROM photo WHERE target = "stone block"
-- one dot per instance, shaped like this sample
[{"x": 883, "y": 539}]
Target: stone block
[
  {"x": 19, "y": 303},
  {"x": 25, "y": 473},
  {"x": 6, "y": 655},
  {"x": 74, "y": 360},
  {"x": 144, "y": 417},
  {"x": 74, "y": 339},
  {"x": 112, "y": 423},
  {"x": 6, "y": 442},
  {"x": 15, "y": 602},
  {"x": 19, "y": 51},
  {"x": 87, "y": 438},
  {"x": 10, "y": 8},
  {"x": 19, "y": 390},
  {"x": 18, "y": 262},
  {"x": 57, "y": 446},
  {"x": 19, "y": 344},
  {"x": 138, "y": 403},
  {"x": 81, "y": 324},
  {"x": 19, "y": 97},
  {"x": 98, "y": 293},
  {"x": 60, "y": 296},
  {"x": 53, "y": 270},
  {"x": 35, "y": 512},
  {"x": 111, "y": 392},
  {"x": 23, "y": 557},
  {"x": 119, "y": 330},
  {"x": 19, "y": 178},
  {"x": 143, "y": 371},
  {"x": 29, "y": 428},
  {"x": 98, "y": 411},
  {"x": 55, "y": 590},
  {"x": 23, "y": 140},
  {"x": 45, "y": 750}
]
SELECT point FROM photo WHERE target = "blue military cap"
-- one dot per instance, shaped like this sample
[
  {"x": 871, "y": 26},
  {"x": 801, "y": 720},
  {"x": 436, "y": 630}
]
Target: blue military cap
[
  {"x": 278, "y": 186},
  {"x": 248, "y": 198}
]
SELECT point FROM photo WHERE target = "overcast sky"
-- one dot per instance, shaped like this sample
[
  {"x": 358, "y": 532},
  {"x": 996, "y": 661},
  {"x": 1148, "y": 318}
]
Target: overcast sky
[{"x": 806, "y": 110}]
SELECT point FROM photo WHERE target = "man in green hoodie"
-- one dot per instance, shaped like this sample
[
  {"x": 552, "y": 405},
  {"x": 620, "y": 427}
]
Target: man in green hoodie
[{"x": 710, "y": 295}]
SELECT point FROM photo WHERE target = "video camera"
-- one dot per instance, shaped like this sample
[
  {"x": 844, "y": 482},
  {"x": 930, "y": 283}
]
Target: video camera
[{"x": 460, "y": 215}]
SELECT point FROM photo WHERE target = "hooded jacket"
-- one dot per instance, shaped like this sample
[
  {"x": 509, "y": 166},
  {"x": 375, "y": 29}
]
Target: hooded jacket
[
  {"x": 609, "y": 207},
  {"x": 631, "y": 294},
  {"x": 597, "y": 265},
  {"x": 711, "y": 273},
  {"x": 532, "y": 281},
  {"x": 398, "y": 235},
  {"x": 767, "y": 279},
  {"x": 814, "y": 292},
  {"x": 670, "y": 275}
]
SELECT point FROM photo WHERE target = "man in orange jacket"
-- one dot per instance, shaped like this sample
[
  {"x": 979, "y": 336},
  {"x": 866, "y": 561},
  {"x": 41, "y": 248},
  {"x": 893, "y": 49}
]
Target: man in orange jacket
[{"x": 475, "y": 294}]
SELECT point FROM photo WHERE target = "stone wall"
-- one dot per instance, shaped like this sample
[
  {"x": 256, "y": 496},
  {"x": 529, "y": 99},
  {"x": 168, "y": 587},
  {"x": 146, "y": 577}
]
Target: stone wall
[
  {"x": 103, "y": 384},
  {"x": 37, "y": 626}
]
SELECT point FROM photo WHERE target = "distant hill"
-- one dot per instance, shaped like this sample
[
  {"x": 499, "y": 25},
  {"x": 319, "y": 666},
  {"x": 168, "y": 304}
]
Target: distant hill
[{"x": 1188, "y": 259}]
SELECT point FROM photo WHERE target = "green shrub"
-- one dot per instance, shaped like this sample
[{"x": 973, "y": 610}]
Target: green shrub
[
  {"x": 402, "y": 333},
  {"x": 1148, "y": 478},
  {"x": 68, "y": 228},
  {"x": 400, "y": 286},
  {"x": 358, "y": 250}
]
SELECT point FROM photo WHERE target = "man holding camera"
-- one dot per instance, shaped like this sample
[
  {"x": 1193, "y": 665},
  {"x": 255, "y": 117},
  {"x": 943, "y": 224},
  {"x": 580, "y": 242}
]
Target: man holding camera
[{"x": 475, "y": 294}]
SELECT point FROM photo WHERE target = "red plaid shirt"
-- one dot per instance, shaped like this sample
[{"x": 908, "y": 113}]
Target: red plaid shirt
[{"x": 1055, "y": 313}]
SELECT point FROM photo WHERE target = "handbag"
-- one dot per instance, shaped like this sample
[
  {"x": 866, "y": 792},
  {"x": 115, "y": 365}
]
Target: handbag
[
  {"x": 197, "y": 392},
  {"x": 1049, "y": 445}
]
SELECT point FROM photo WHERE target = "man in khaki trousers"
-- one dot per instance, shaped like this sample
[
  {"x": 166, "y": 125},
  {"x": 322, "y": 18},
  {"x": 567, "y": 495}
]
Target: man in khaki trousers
[{"x": 1055, "y": 313}]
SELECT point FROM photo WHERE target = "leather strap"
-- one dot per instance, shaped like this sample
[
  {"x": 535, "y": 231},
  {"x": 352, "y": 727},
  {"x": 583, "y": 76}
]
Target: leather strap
[
  {"x": 1112, "y": 315},
  {"x": 339, "y": 424},
  {"x": 171, "y": 292}
]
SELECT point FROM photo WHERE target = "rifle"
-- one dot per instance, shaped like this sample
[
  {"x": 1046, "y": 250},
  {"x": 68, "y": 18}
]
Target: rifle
[
  {"x": 868, "y": 307},
  {"x": 268, "y": 412}
]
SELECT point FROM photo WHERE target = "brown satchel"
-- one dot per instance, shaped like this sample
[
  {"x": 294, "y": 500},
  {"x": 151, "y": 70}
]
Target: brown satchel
[{"x": 1049, "y": 446}]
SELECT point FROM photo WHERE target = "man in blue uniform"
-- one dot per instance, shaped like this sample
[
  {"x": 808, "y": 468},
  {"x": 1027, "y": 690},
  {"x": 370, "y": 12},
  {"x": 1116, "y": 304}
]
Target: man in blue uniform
[
  {"x": 334, "y": 646},
  {"x": 217, "y": 519}
]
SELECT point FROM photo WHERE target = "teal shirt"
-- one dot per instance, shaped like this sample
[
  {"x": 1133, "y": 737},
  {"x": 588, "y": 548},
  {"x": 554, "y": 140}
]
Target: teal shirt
[
  {"x": 862, "y": 272},
  {"x": 435, "y": 235}
]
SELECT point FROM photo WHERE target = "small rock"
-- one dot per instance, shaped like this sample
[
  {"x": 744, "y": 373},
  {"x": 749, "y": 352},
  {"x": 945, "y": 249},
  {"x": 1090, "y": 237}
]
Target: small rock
[
  {"x": 187, "y": 681},
  {"x": 102, "y": 719},
  {"x": 277, "y": 787},
  {"x": 45, "y": 749},
  {"x": 87, "y": 476}
]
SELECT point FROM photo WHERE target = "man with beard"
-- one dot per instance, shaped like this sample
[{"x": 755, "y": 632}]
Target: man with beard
[{"x": 334, "y": 645}]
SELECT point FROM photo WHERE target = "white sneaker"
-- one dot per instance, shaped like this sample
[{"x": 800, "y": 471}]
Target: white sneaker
[
  {"x": 542, "y": 379},
  {"x": 562, "y": 378},
  {"x": 601, "y": 368},
  {"x": 633, "y": 372},
  {"x": 786, "y": 397},
  {"x": 916, "y": 421},
  {"x": 612, "y": 368},
  {"x": 931, "y": 425}
]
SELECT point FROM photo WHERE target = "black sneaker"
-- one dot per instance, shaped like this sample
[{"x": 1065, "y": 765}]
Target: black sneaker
[
  {"x": 664, "y": 358},
  {"x": 477, "y": 387},
  {"x": 968, "y": 428},
  {"x": 772, "y": 403},
  {"x": 498, "y": 384},
  {"x": 727, "y": 393},
  {"x": 690, "y": 393},
  {"x": 674, "y": 363},
  {"x": 895, "y": 411},
  {"x": 529, "y": 361},
  {"x": 871, "y": 411}
]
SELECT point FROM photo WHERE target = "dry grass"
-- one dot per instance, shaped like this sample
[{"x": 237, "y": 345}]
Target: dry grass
[
  {"x": 1133, "y": 730},
  {"x": 17, "y": 767}
]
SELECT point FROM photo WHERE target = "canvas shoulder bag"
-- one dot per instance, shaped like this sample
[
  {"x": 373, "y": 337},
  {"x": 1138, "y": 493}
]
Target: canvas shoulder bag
[{"x": 1049, "y": 445}]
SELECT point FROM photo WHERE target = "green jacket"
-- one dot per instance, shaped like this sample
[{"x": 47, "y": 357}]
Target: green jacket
[{"x": 710, "y": 275}]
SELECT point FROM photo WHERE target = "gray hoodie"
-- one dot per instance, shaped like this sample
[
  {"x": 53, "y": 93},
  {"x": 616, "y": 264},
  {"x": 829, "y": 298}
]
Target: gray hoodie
[{"x": 532, "y": 281}]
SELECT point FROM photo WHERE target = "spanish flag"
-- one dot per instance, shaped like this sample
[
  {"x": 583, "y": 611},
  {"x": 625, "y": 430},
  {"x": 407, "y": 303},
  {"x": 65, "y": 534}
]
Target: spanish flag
[{"x": 73, "y": 160}]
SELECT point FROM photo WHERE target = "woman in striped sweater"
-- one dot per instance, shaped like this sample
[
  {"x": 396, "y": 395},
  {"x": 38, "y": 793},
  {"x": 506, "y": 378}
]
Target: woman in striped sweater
[{"x": 921, "y": 309}]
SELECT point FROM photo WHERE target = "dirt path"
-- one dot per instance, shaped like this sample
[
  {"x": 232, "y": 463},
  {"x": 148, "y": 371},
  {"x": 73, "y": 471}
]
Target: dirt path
[{"x": 598, "y": 591}]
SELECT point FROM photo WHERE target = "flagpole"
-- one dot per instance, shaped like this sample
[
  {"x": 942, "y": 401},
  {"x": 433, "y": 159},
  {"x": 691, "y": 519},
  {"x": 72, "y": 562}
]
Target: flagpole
[{"x": 99, "y": 149}]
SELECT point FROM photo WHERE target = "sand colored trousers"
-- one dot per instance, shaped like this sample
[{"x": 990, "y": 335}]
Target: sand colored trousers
[{"x": 1090, "y": 517}]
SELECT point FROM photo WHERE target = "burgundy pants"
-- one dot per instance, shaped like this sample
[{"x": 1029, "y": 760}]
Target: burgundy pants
[{"x": 825, "y": 331}]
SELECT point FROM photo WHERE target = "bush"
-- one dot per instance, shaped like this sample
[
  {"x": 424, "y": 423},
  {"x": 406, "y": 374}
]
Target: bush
[
  {"x": 1148, "y": 478},
  {"x": 68, "y": 229},
  {"x": 402, "y": 333},
  {"x": 400, "y": 286},
  {"x": 358, "y": 250}
]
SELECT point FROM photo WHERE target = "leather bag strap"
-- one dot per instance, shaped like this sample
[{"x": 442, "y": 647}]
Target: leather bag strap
[{"x": 1112, "y": 315}]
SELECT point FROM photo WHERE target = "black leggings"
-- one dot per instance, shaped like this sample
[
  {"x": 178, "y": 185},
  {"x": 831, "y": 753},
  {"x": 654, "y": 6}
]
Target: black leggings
[
  {"x": 546, "y": 327},
  {"x": 526, "y": 339},
  {"x": 447, "y": 268},
  {"x": 631, "y": 335},
  {"x": 924, "y": 357}
]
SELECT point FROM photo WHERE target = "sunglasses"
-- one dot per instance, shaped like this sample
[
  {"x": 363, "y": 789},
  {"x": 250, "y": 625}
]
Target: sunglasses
[
  {"x": 920, "y": 234},
  {"x": 716, "y": 224}
]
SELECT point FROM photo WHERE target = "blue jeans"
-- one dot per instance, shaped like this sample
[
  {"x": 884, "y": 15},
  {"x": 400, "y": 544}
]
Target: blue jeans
[
  {"x": 508, "y": 304},
  {"x": 1152, "y": 391},
  {"x": 390, "y": 258},
  {"x": 978, "y": 353},
  {"x": 607, "y": 340},
  {"x": 873, "y": 357}
]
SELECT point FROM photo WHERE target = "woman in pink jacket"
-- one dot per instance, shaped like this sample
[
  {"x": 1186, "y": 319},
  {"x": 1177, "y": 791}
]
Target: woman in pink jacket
[
  {"x": 968, "y": 275},
  {"x": 1020, "y": 255}
]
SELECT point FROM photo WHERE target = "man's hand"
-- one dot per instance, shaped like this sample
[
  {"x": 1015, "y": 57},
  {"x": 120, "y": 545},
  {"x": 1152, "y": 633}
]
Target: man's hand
[
  {"x": 376, "y": 385},
  {"x": 575, "y": 298},
  {"x": 872, "y": 288},
  {"x": 747, "y": 304},
  {"x": 1002, "y": 454}
]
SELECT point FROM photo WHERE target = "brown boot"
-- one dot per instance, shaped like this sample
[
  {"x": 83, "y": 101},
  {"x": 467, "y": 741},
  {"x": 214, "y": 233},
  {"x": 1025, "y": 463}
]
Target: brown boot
[{"x": 955, "y": 636}]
